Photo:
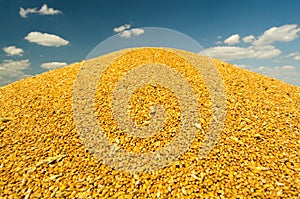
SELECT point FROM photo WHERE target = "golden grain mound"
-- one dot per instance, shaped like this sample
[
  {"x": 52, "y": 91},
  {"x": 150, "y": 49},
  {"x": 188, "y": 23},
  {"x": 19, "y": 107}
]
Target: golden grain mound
[{"x": 256, "y": 156}]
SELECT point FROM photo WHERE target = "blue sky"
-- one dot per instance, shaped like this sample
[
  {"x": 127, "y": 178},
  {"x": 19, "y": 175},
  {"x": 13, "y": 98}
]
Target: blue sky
[{"x": 259, "y": 35}]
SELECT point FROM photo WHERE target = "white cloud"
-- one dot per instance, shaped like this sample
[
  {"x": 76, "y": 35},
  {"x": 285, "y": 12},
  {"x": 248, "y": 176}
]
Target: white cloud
[
  {"x": 233, "y": 39},
  {"x": 13, "y": 51},
  {"x": 122, "y": 28},
  {"x": 286, "y": 73},
  {"x": 297, "y": 57},
  {"x": 287, "y": 67},
  {"x": 294, "y": 55},
  {"x": 277, "y": 72},
  {"x": 51, "y": 65},
  {"x": 233, "y": 52},
  {"x": 137, "y": 31},
  {"x": 11, "y": 71},
  {"x": 262, "y": 47},
  {"x": 285, "y": 33},
  {"x": 134, "y": 31},
  {"x": 219, "y": 37},
  {"x": 23, "y": 13},
  {"x": 45, "y": 39},
  {"x": 44, "y": 10},
  {"x": 248, "y": 39},
  {"x": 126, "y": 34},
  {"x": 11, "y": 65}
]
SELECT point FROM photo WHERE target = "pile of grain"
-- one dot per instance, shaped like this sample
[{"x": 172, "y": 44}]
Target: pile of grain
[{"x": 257, "y": 154}]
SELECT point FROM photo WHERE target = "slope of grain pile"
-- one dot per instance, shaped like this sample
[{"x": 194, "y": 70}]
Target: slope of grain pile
[{"x": 257, "y": 155}]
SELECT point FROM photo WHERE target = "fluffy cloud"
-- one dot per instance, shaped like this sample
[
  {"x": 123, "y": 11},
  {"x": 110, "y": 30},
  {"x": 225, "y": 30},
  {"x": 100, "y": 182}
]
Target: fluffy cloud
[
  {"x": 137, "y": 31},
  {"x": 13, "y": 51},
  {"x": 126, "y": 34},
  {"x": 287, "y": 67},
  {"x": 274, "y": 72},
  {"x": 44, "y": 10},
  {"x": 48, "y": 11},
  {"x": 10, "y": 65},
  {"x": 248, "y": 39},
  {"x": 233, "y": 39},
  {"x": 233, "y": 53},
  {"x": 262, "y": 47},
  {"x": 287, "y": 73},
  {"x": 51, "y": 65},
  {"x": 122, "y": 28},
  {"x": 45, "y": 39},
  {"x": 295, "y": 55},
  {"x": 134, "y": 31},
  {"x": 283, "y": 33},
  {"x": 11, "y": 71},
  {"x": 23, "y": 13}
]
